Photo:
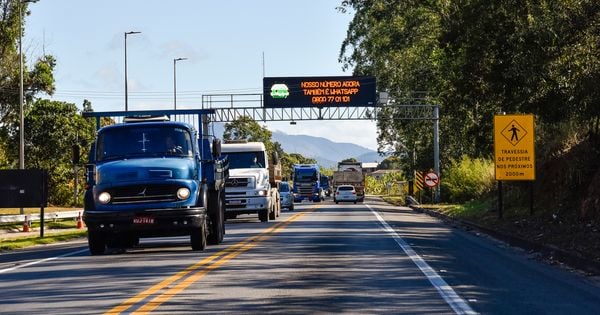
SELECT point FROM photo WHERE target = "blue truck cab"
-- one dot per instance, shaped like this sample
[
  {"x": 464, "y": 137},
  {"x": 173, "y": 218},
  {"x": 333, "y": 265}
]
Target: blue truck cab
[
  {"x": 306, "y": 178},
  {"x": 153, "y": 178}
]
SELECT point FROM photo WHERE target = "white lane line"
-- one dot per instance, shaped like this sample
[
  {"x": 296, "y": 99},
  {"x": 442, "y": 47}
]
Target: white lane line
[
  {"x": 459, "y": 305},
  {"x": 41, "y": 261}
]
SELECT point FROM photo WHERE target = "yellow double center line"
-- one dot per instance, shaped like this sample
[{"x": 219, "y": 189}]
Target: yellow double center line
[{"x": 195, "y": 272}]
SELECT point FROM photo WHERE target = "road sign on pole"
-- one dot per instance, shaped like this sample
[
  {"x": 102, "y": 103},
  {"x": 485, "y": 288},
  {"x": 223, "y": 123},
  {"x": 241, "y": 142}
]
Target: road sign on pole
[
  {"x": 432, "y": 179},
  {"x": 514, "y": 147}
]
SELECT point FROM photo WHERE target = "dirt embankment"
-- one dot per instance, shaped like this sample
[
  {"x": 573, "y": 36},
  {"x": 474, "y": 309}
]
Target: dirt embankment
[{"x": 567, "y": 203}]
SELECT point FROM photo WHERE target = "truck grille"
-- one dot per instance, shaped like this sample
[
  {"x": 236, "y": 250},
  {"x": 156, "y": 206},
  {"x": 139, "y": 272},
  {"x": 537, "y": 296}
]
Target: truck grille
[
  {"x": 305, "y": 190},
  {"x": 143, "y": 193},
  {"x": 237, "y": 182}
]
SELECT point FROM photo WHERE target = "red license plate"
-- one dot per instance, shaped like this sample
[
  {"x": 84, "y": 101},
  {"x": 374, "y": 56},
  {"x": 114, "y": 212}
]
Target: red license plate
[{"x": 143, "y": 220}]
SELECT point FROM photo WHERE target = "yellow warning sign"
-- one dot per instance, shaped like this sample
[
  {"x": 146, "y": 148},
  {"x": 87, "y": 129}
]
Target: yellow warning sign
[
  {"x": 418, "y": 181},
  {"x": 514, "y": 147}
]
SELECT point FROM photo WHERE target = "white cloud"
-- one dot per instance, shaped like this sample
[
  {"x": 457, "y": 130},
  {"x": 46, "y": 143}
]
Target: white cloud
[
  {"x": 177, "y": 49},
  {"x": 109, "y": 77}
]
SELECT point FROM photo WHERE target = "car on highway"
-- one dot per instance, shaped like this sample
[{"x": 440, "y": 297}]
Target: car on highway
[
  {"x": 286, "y": 195},
  {"x": 345, "y": 193}
]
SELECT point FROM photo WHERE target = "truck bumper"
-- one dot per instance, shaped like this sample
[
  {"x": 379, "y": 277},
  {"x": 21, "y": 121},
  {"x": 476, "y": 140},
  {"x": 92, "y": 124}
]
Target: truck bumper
[
  {"x": 312, "y": 197},
  {"x": 146, "y": 223},
  {"x": 246, "y": 205}
]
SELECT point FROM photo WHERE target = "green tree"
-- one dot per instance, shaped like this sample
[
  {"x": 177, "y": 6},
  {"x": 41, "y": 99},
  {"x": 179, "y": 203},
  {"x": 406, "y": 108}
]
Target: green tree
[
  {"x": 350, "y": 160},
  {"x": 397, "y": 41},
  {"x": 52, "y": 128},
  {"x": 37, "y": 79},
  {"x": 380, "y": 186},
  {"x": 87, "y": 106},
  {"x": 246, "y": 128},
  {"x": 475, "y": 59},
  {"x": 390, "y": 163},
  {"x": 468, "y": 178}
]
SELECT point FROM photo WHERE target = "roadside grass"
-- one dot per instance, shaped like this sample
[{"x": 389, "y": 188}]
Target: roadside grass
[
  {"x": 22, "y": 242},
  {"x": 56, "y": 231},
  {"x": 479, "y": 210},
  {"x": 395, "y": 200},
  {"x": 55, "y": 225},
  {"x": 468, "y": 210}
]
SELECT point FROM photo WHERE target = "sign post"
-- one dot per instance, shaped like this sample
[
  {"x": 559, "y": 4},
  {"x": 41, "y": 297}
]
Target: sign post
[{"x": 514, "y": 151}]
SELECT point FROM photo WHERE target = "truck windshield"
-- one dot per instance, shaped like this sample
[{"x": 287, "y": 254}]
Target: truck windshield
[
  {"x": 246, "y": 159},
  {"x": 305, "y": 175},
  {"x": 143, "y": 141}
]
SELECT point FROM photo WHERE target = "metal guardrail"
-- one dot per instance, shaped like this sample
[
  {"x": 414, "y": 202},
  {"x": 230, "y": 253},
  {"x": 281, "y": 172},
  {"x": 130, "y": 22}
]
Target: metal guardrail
[{"x": 19, "y": 218}]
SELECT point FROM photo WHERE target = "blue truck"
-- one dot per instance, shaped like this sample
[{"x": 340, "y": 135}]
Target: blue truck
[
  {"x": 306, "y": 178},
  {"x": 148, "y": 176}
]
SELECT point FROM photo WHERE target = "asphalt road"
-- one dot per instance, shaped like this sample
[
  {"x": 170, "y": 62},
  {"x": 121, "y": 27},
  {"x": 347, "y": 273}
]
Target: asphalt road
[{"x": 321, "y": 258}]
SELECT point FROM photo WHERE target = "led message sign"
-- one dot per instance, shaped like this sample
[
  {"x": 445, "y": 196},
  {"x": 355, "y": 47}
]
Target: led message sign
[{"x": 346, "y": 91}]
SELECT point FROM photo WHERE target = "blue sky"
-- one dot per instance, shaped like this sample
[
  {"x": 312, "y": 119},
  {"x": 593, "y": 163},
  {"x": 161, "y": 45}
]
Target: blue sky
[{"x": 224, "y": 42}]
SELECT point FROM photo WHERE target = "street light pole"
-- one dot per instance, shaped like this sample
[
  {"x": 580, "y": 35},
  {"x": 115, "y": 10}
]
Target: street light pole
[
  {"x": 22, "y": 119},
  {"x": 127, "y": 33},
  {"x": 175, "y": 81},
  {"x": 21, "y": 116}
]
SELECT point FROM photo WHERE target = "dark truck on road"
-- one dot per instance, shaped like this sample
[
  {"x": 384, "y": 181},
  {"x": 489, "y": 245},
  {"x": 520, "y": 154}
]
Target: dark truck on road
[{"x": 149, "y": 178}]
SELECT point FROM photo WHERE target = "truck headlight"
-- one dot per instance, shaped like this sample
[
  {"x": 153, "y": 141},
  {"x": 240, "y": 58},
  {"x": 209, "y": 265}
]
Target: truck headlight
[
  {"x": 262, "y": 192},
  {"x": 104, "y": 198},
  {"x": 183, "y": 193}
]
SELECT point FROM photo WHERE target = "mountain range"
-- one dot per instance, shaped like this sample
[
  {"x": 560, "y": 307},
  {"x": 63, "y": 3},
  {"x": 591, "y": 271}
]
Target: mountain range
[{"x": 327, "y": 153}]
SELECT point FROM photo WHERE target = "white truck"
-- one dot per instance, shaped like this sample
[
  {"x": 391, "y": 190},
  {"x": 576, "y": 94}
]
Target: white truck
[{"x": 252, "y": 183}]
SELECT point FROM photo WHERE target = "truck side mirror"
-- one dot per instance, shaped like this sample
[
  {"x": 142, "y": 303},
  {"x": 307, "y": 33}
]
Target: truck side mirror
[
  {"x": 292, "y": 176},
  {"x": 275, "y": 158},
  {"x": 216, "y": 148}
]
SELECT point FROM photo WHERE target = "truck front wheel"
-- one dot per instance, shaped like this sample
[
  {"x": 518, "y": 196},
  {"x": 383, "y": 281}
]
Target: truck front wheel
[
  {"x": 216, "y": 211},
  {"x": 96, "y": 243},
  {"x": 263, "y": 215},
  {"x": 273, "y": 213},
  {"x": 198, "y": 238}
]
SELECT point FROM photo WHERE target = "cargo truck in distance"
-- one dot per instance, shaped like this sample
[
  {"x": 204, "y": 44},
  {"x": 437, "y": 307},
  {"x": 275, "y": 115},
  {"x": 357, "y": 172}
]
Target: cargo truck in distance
[
  {"x": 252, "y": 184},
  {"x": 150, "y": 177},
  {"x": 307, "y": 185},
  {"x": 350, "y": 173}
]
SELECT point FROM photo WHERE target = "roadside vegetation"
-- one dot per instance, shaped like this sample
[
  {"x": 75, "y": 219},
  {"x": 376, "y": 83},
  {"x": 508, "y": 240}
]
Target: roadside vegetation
[
  {"x": 478, "y": 58},
  {"x": 54, "y": 231},
  {"x": 22, "y": 242}
]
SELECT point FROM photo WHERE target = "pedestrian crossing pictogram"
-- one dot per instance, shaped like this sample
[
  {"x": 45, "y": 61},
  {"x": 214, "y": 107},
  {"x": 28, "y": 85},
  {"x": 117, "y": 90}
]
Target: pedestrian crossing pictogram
[{"x": 514, "y": 132}]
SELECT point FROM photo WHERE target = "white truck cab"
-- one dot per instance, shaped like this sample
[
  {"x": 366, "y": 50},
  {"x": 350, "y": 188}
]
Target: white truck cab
[{"x": 251, "y": 187}]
